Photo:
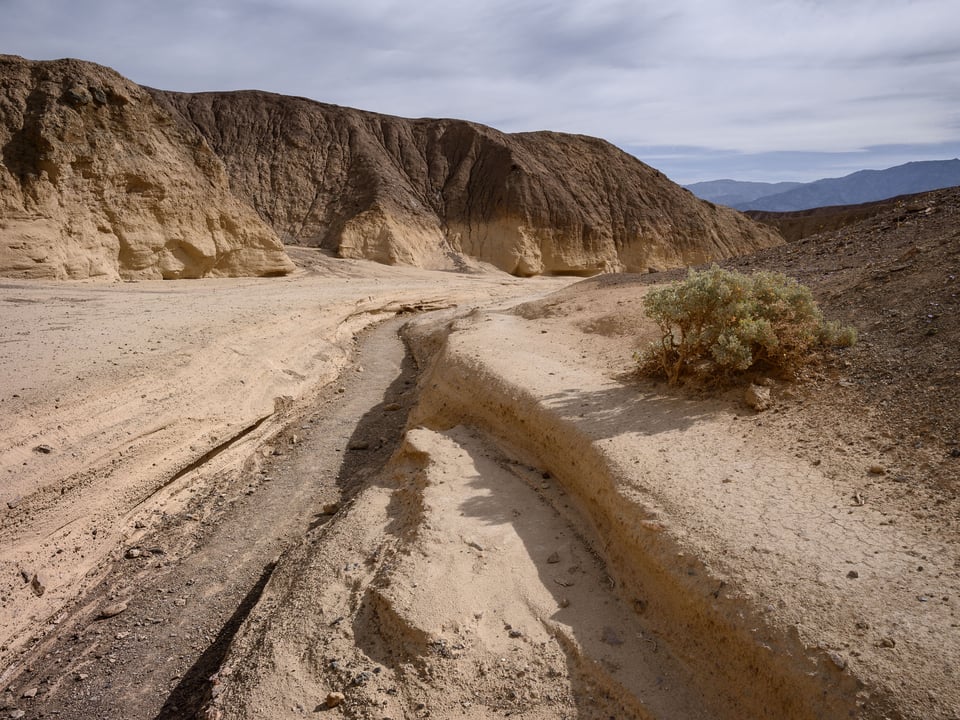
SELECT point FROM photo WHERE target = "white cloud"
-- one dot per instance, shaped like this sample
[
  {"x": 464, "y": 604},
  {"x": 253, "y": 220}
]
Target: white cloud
[{"x": 744, "y": 76}]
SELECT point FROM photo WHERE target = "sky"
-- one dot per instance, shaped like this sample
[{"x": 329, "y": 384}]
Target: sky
[{"x": 760, "y": 90}]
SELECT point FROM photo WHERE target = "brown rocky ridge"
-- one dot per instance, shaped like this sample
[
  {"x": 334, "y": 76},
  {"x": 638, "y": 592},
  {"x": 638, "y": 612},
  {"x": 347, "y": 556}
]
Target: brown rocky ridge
[
  {"x": 429, "y": 192},
  {"x": 101, "y": 177},
  {"x": 96, "y": 181}
]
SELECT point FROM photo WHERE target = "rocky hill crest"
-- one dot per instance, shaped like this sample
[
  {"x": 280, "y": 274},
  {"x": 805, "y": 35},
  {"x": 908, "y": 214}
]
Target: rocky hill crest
[
  {"x": 427, "y": 192},
  {"x": 96, "y": 180},
  {"x": 102, "y": 177}
]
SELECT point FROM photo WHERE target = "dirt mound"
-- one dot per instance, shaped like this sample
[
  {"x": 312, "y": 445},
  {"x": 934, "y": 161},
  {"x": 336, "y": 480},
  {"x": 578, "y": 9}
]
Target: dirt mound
[
  {"x": 97, "y": 181},
  {"x": 424, "y": 192}
]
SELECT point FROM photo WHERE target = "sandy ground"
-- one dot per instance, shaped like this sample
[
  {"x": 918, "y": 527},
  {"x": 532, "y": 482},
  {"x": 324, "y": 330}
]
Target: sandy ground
[
  {"x": 110, "y": 394},
  {"x": 550, "y": 536}
]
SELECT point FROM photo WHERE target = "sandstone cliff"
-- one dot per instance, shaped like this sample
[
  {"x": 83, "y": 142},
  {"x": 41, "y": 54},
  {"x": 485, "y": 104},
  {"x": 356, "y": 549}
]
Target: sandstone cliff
[
  {"x": 96, "y": 180},
  {"x": 428, "y": 192}
]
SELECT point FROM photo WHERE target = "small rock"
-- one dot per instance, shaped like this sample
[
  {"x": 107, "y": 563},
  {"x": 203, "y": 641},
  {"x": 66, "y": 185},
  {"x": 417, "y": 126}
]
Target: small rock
[
  {"x": 564, "y": 602},
  {"x": 139, "y": 525},
  {"x": 877, "y": 470},
  {"x": 554, "y": 558},
  {"x": 391, "y": 407},
  {"x": 838, "y": 660},
  {"x": 109, "y": 611},
  {"x": 757, "y": 398},
  {"x": 80, "y": 677},
  {"x": 334, "y": 699},
  {"x": 955, "y": 452},
  {"x": 611, "y": 636},
  {"x": 853, "y": 574},
  {"x": 38, "y": 585},
  {"x": 515, "y": 634},
  {"x": 26, "y": 575},
  {"x": 330, "y": 508},
  {"x": 358, "y": 445},
  {"x": 14, "y": 502},
  {"x": 887, "y": 642},
  {"x": 31, "y": 693},
  {"x": 43, "y": 449},
  {"x": 133, "y": 553},
  {"x": 16, "y": 714}
]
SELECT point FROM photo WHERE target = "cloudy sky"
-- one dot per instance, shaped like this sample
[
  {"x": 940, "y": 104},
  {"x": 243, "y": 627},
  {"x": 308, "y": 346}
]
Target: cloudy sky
[{"x": 701, "y": 89}]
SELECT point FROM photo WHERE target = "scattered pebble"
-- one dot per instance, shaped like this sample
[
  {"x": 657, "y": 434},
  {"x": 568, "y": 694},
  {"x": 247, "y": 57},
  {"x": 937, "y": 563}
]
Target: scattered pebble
[
  {"x": 358, "y": 445},
  {"x": 38, "y": 585},
  {"x": 391, "y": 407},
  {"x": 853, "y": 574},
  {"x": 838, "y": 660},
  {"x": 14, "y": 502},
  {"x": 515, "y": 634},
  {"x": 757, "y": 398},
  {"x": 31, "y": 693},
  {"x": 877, "y": 470},
  {"x": 112, "y": 610},
  {"x": 334, "y": 699},
  {"x": 554, "y": 558},
  {"x": 887, "y": 642},
  {"x": 43, "y": 449},
  {"x": 611, "y": 636},
  {"x": 133, "y": 553}
]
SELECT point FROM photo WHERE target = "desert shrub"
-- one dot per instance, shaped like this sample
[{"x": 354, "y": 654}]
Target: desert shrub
[{"x": 717, "y": 323}]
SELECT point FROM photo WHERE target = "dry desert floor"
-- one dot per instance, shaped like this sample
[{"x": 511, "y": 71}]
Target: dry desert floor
[{"x": 373, "y": 492}]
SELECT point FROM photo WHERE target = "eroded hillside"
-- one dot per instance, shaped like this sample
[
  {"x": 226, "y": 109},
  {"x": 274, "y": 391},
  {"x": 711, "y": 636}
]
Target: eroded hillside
[
  {"x": 424, "y": 192},
  {"x": 97, "y": 181}
]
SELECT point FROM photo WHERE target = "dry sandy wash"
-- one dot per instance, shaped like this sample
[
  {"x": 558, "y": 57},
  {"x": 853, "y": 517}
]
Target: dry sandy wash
[{"x": 550, "y": 537}]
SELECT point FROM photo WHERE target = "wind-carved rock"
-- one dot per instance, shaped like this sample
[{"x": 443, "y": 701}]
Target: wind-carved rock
[
  {"x": 96, "y": 180},
  {"x": 436, "y": 193}
]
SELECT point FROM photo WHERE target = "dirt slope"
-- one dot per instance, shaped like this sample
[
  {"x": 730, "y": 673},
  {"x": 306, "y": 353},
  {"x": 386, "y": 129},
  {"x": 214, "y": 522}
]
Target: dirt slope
[
  {"x": 423, "y": 191},
  {"x": 97, "y": 181}
]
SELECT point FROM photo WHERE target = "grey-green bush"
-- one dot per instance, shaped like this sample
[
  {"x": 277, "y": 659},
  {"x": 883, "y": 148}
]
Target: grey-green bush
[{"x": 717, "y": 323}]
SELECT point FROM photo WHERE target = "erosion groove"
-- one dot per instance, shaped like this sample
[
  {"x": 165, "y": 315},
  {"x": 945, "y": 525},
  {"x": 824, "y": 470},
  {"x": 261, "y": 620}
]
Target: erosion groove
[
  {"x": 726, "y": 639},
  {"x": 205, "y": 458}
]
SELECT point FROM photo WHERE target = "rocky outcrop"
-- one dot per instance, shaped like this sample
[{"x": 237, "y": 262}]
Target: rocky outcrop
[
  {"x": 96, "y": 180},
  {"x": 429, "y": 192},
  {"x": 101, "y": 177}
]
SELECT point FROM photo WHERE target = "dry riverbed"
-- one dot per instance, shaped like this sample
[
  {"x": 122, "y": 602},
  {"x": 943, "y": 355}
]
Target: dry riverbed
[{"x": 244, "y": 513}]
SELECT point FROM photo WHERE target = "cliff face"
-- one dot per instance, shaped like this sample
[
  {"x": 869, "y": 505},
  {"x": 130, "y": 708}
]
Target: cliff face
[
  {"x": 427, "y": 192},
  {"x": 96, "y": 180}
]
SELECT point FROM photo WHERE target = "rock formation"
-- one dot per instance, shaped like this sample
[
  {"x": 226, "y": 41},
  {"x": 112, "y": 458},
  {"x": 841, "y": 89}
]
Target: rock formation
[
  {"x": 427, "y": 192},
  {"x": 96, "y": 180},
  {"x": 102, "y": 177}
]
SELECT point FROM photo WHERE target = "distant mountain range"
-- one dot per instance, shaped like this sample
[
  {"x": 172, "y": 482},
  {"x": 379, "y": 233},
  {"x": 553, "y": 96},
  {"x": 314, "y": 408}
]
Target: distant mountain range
[{"x": 859, "y": 187}]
